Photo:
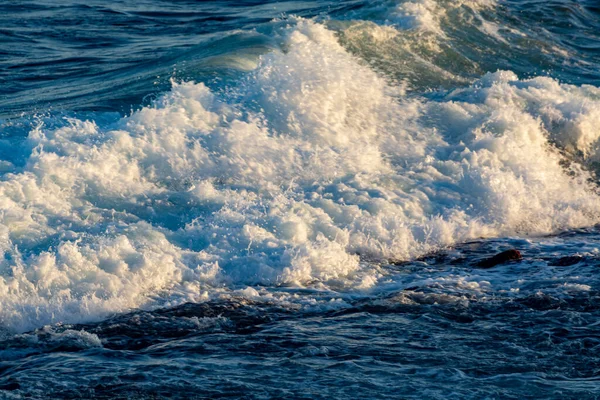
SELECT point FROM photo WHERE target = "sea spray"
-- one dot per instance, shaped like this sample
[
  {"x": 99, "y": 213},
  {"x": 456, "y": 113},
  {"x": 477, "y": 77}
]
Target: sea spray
[{"x": 316, "y": 164}]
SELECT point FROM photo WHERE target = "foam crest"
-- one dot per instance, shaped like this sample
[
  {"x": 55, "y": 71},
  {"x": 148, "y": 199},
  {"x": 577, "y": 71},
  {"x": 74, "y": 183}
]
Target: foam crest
[
  {"x": 312, "y": 172},
  {"x": 426, "y": 16}
]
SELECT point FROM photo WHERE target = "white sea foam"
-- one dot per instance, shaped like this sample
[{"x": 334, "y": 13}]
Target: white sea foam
[
  {"x": 416, "y": 41},
  {"x": 426, "y": 16},
  {"x": 316, "y": 169}
]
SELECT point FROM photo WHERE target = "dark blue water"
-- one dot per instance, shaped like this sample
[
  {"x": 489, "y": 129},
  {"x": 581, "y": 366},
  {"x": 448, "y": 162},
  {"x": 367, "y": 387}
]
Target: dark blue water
[
  {"x": 112, "y": 55},
  {"x": 243, "y": 199}
]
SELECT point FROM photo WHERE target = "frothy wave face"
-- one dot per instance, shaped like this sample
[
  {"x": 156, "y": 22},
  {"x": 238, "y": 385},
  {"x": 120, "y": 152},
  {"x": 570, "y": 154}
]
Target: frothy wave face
[
  {"x": 310, "y": 172},
  {"x": 425, "y": 16}
]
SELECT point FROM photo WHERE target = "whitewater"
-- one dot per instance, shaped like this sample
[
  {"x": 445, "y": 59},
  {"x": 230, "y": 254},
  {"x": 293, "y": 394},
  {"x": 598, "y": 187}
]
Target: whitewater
[{"x": 308, "y": 177}]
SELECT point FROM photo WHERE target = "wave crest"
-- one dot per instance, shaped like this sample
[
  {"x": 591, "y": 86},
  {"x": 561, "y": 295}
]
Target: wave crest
[{"x": 310, "y": 162}]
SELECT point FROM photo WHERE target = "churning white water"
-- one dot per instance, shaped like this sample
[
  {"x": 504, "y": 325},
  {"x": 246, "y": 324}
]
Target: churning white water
[{"x": 312, "y": 170}]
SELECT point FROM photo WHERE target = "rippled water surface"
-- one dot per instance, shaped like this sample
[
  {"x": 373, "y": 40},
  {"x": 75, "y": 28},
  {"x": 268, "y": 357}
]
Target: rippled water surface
[{"x": 206, "y": 199}]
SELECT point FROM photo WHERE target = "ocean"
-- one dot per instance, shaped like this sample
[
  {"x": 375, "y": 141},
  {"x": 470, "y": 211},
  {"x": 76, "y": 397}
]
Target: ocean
[{"x": 297, "y": 199}]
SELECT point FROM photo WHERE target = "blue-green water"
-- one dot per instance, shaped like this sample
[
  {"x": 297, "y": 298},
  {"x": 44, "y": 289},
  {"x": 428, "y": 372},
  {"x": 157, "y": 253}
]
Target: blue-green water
[{"x": 206, "y": 199}]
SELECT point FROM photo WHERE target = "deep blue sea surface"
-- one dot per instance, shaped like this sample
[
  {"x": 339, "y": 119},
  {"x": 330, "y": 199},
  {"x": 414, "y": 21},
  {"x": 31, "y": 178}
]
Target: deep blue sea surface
[{"x": 292, "y": 199}]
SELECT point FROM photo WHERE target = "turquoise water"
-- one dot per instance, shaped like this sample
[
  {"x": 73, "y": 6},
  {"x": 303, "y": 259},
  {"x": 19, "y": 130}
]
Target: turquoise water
[{"x": 291, "y": 199}]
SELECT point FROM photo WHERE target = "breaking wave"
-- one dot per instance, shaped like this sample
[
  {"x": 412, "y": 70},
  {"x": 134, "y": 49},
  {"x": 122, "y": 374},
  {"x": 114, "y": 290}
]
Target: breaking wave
[{"x": 312, "y": 171}]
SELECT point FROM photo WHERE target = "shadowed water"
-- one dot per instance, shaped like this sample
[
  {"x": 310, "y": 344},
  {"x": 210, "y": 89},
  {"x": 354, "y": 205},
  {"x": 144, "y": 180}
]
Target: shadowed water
[{"x": 439, "y": 329}]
